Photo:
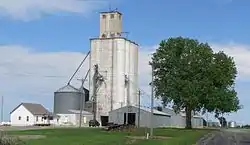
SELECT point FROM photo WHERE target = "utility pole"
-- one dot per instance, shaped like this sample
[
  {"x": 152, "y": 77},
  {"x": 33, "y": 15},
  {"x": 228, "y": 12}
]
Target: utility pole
[
  {"x": 81, "y": 103},
  {"x": 82, "y": 96},
  {"x": 152, "y": 102},
  {"x": 95, "y": 80},
  {"x": 139, "y": 109},
  {"x": 128, "y": 91},
  {"x": 2, "y": 111},
  {"x": 207, "y": 117}
]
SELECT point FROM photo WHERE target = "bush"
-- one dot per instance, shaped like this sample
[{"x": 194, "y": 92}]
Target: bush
[{"x": 9, "y": 140}]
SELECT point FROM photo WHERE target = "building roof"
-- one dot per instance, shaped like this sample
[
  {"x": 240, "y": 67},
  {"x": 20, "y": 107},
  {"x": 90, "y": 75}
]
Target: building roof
[
  {"x": 111, "y": 11},
  {"x": 181, "y": 113},
  {"x": 97, "y": 38},
  {"x": 155, "y": 112},
  {"x": 35, "y": 109},
  {"x": 78, "y": 112},
  {"x": 68, "y": 88}
]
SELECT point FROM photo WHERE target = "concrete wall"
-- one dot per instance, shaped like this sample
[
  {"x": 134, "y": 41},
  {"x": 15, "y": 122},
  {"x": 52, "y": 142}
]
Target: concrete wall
[
  {"x": 73, "y": 119},
  {"x": 109, "y": 25},
  {"x": 116, "y": 58},
  {"x": 85, "y": 119},
  {"x": 23, "y": 113},
  {"x": 67, "y": 119}
]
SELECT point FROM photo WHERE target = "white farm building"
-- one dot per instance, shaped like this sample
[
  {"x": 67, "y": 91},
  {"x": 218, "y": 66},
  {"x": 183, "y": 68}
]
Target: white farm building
[
  {"x": 165, "y": 118},
  {"x": 139, "y": 116},
  {"x": 178, "y": 120},
  {"x": 73, "y": 118},
  {"x": 28, "y": 114}
]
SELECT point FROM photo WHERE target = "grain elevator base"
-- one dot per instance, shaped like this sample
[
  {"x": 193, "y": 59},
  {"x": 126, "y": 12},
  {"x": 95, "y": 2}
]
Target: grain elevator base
[
  {"x": 131, "y": 118},
  {"x": 104, "y": 120}
]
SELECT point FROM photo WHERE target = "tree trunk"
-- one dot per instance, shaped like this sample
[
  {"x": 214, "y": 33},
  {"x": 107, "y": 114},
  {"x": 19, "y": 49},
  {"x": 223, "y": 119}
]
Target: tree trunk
[{"x": 188, "y": 118}]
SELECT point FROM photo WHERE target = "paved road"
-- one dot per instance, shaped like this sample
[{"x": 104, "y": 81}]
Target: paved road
[{"x": 227, "y": 137}]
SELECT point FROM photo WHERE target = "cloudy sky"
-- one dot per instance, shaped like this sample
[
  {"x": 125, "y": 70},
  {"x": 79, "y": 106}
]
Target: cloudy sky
[{"x": 43, "y": 41}]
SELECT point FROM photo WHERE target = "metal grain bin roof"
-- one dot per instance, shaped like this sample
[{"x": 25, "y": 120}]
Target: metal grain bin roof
[{"x": 68, "y": 88}]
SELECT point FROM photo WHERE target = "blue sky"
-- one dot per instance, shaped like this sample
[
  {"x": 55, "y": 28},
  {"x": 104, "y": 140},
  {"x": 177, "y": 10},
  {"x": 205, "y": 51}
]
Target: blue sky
[{"x": 42, "y": 38}]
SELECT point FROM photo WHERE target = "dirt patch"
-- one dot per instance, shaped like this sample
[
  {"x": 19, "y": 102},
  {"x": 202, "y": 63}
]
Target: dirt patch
[
  {"x": 26, "y": 137},
  {"x": 143, "y": 137}
]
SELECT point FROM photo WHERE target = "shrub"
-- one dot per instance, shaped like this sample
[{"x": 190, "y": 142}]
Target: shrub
[{"x": 9, "y": 140}]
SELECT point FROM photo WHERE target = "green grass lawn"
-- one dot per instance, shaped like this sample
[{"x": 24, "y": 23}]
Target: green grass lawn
[{"x": 89, "y": 136}]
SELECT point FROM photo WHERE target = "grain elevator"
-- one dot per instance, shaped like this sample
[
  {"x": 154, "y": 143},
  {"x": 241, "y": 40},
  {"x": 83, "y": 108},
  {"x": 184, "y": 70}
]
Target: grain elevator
[{"x": 117, "y": 61}]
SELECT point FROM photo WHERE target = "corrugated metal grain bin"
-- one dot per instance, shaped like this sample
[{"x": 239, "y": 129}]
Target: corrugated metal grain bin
[{"x": 67, "y": 98}]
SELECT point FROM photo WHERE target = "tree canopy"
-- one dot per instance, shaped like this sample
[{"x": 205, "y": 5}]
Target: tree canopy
[{"x": 190, "y": 75}]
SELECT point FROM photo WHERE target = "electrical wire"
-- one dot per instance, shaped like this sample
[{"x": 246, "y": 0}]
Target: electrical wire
[
  {"x": 145, "y": 94},
  {"x": 80, "y": 65}
]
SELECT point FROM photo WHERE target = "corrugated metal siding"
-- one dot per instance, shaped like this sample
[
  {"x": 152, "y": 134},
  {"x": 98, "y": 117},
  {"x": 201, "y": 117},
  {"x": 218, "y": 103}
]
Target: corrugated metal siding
[
  {"x": 63, "y": 102},
  {"x": 117, "y": 116},
  {"x": 179, "y": 121},
  {"x": 161, "y": 121}
]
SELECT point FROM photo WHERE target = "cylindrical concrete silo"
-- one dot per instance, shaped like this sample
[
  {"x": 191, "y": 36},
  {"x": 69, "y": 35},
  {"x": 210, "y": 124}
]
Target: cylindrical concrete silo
[{"x": 67, "y": 98}]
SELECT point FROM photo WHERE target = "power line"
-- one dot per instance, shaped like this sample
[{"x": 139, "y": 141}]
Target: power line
[
  {"x": 80, "y": 65},
  {"x": 32, "y": 75},
  {"x": 145, "y": 94},
  {"x": 2, "y": 119},
  {"x": 82, "y": 93}
]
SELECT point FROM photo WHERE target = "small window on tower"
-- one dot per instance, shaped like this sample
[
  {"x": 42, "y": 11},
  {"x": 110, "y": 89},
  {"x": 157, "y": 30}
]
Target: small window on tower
[
  {"x": 112, "y": 16},
  {"x": 103, "y": 36},
  {"x": 103, "y": 16}
]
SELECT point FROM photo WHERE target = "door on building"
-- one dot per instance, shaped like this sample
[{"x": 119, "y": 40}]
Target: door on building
[
  {"x": 131, "y": 118},
  {"x": 104, "y": 120}
]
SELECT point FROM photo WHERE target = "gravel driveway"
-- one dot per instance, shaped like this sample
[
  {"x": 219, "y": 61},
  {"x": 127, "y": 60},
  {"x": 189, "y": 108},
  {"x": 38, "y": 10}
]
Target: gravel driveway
[{"x": 227, "y": 137}]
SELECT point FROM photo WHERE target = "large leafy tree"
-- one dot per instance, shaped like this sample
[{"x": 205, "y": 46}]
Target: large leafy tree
[{"x": 190, "y": 75}]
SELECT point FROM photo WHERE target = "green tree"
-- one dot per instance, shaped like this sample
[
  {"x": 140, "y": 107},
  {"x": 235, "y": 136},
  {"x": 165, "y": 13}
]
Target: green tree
[{"x": 190, "y": 75}]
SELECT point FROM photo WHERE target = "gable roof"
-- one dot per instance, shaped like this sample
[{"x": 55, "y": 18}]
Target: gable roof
[
  {"x": 35, "y": 109},
  {"x": 155, "y": 112},
  {"x": 181, "y": 113},
  {"x": 78, "y": 112},
  {"x": 68, "y": 88}
]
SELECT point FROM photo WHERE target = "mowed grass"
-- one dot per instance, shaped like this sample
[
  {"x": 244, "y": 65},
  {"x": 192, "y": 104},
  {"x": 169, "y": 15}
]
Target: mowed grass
[{"x": 90, "y": 136}]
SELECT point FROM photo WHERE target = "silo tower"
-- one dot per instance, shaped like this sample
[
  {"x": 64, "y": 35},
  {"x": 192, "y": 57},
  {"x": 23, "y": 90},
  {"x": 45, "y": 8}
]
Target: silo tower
[{"x": 117, "y": 60}]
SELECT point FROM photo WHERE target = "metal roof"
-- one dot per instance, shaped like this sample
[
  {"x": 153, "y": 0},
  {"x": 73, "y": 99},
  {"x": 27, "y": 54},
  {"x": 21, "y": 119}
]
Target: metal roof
[
  {"x": 68, "y": 88},
  {"x": 78, "y": 112},
  {"x": 35, "y": 109},
  {"x": 181, "y": 113},
  {"x": 112, "y": 11},
  {"x": 155, "y": 112}
]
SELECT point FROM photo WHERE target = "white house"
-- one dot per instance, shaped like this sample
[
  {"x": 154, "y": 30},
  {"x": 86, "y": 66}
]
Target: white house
[{"x": 28, "y": 114}]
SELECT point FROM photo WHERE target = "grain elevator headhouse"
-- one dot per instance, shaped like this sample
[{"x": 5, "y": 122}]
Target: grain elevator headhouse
[{"x": 113, "y": 67}]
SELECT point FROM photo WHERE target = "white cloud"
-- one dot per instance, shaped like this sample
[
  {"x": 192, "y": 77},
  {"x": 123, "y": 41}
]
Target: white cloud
[
  {"x": 27, "y": 75},
  {"x": 32, "y": 9}
]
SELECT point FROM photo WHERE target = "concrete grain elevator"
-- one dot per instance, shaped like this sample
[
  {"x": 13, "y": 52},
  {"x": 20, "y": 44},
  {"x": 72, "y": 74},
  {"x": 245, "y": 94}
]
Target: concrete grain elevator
[{"x": 117, "y": 61}]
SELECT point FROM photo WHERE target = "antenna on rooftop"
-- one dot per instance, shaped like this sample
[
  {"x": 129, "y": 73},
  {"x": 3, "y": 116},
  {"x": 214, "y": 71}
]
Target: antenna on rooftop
[
  {"x": 109, "y": 6},
  {"x": 2, "y": 110}
]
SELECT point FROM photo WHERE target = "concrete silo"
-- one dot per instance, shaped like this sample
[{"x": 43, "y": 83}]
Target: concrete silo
[
  {"x": 68, "y": 98},
  {"x": 117, "y": 60}
]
